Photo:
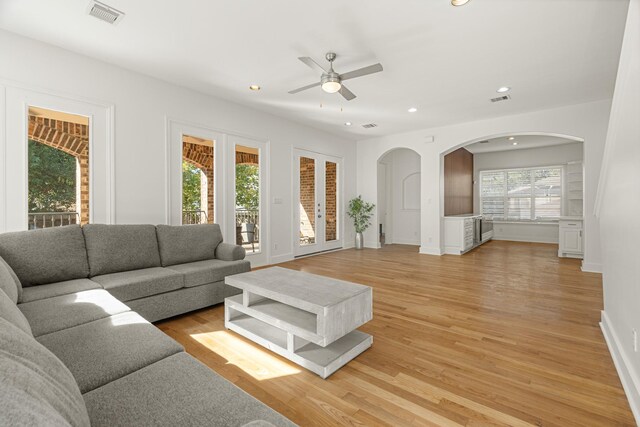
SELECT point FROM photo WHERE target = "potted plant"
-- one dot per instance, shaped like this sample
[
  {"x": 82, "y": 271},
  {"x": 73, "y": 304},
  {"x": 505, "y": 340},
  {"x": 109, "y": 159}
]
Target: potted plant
[{"x": 361, "y": 212}]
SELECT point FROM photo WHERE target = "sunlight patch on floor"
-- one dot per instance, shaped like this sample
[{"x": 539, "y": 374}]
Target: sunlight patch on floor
[{"x": 254, "y": 361}]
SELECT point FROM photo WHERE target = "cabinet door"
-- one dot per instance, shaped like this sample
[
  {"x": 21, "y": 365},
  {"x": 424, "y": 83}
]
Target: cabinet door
[{"x": 570, "y": 240}]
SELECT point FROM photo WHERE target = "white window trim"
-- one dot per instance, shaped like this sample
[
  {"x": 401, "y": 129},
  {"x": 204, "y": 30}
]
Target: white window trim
[{"x": 532, "y": 197}]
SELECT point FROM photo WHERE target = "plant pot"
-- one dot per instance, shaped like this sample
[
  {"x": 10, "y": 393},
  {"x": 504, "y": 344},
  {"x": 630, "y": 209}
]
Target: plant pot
[{"x": 359, "y": 241}]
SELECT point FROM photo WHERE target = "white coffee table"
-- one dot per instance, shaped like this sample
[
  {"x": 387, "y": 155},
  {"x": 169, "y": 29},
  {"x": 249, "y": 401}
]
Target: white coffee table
[{"x": 308, "y": 319}]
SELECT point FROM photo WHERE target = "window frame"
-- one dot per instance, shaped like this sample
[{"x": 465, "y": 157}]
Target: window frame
[{"x": 532, "y": 196}]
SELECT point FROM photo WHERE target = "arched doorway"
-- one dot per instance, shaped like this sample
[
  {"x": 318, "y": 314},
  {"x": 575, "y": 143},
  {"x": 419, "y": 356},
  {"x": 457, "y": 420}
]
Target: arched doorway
[{"x": 398, "y": 206}]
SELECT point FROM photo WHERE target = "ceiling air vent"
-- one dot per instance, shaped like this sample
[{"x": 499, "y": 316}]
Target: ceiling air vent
[
  {"x": 483, "y": 142},
  {"x": 369, "y": 125},
  {"x": 104, "y": 13},
  {"x": 501, "y": 98}
]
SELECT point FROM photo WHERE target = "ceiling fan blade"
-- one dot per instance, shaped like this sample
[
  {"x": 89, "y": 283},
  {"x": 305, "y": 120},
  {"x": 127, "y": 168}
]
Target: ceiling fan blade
[
  {"x": 346, "y": 93},
  {"x": 312, "y": 64},
  {"x": 376, "y": 68},
  {"x": 300, "y": 89}
]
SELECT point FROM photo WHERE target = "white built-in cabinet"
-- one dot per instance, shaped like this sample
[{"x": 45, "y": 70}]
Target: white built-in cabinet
[
  {"x": 574, "y": 188},
  {"x": 571, "y": 237}
]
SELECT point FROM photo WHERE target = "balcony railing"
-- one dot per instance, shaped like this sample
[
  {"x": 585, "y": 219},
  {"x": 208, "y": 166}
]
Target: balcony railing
[
  {"x": 194, "y": 217},
  {"x": 52, "y": 219}
]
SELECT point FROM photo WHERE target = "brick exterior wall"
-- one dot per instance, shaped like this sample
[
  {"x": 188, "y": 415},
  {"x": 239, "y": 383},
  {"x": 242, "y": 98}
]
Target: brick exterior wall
[
  {"x": 71, "y": 138},
  {"x": 331, "y": 203}
]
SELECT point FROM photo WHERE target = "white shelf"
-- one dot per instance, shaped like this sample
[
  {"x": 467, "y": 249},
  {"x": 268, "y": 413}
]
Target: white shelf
[
  {"x": 288, "y": 318},
  {"x": 323, "y": 361}
]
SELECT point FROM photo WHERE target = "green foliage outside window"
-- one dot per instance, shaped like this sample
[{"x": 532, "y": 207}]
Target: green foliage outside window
[
  {"x": 247, "y": 186},
  {"x": 191, "y": 176},
  {"x": 52, "y": 179}
]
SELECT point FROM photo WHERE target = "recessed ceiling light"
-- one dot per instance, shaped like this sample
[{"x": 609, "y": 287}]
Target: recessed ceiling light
[
  {"x": 255, "y": 87},
  {"x": 347, "y": 124},
  {"x": 511, "y": 138},
  {"x": 412, "y": 110},
  {"x": 514, "y": 143},
  {"x": 459, "y": 2},
  {"x": 503, "y": 89}
]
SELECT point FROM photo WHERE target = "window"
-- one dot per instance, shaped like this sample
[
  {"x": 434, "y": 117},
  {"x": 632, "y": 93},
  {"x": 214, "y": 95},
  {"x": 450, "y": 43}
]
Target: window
[{"x": 532, "y": 194}]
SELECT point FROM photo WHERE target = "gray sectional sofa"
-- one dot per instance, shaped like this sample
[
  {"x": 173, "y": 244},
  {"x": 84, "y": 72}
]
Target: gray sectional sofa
[{"x": 76, "y": 343}]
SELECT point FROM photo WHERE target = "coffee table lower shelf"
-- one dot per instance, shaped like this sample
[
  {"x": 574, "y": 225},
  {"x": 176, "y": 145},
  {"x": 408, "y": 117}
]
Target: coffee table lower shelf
[{"x": 323, "y": 361}]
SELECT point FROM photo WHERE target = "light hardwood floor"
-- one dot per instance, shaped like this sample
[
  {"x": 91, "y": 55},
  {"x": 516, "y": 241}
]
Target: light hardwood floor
[{"x": 505, "y": 335}]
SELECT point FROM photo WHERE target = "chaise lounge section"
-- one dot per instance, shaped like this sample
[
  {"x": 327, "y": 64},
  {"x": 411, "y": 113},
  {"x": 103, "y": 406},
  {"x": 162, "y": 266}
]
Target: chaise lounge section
[{"x": 76, "y": 343}]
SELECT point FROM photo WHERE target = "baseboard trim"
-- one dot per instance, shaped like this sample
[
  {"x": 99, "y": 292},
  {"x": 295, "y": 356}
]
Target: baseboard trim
[
  {"x": 405, "y": 242},
  {"x": 591, "y": 267},
  {"x": 277, "y": 259},
  {"x": 626, "y": 372},
  {"x": 426, "y": 250},
  {"x": 524, "y": 239}
]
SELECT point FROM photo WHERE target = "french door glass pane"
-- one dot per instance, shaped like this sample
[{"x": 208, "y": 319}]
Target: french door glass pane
[
  {"x": 248, "y": 198},
  {"x": 307, "y": 201},
  {"x": 331, "y": 201},
  {"x": 197, "y": 180}
]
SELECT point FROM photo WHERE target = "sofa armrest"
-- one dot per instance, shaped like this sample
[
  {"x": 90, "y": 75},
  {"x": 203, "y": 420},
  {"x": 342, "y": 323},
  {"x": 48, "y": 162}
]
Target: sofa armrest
[{"x": 229, "y": 252}]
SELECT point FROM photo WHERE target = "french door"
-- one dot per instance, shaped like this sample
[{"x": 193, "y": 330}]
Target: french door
[{"x": 317, "y": 202}]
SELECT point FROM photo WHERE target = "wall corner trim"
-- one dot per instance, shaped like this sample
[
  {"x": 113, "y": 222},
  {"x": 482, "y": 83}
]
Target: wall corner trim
[
  {"x": 591, "y": 267},
  {"x": 626, "y": 372}
]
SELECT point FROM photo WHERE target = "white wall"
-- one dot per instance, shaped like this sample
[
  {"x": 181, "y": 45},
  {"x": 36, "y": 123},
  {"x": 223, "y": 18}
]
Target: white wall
[
  {"x": 142, "y": 106},
  {"x": 401, "y": 165},
  {"x": 585, "y": 121},
  {"x": 618, "y": 208},
  {"x": 542, "y": 156}
]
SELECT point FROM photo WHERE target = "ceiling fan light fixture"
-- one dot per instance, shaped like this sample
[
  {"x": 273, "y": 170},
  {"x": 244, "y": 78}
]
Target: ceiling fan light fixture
[
  {"x": 459, "y": 2},
  {"x": 331, "y": 83}
]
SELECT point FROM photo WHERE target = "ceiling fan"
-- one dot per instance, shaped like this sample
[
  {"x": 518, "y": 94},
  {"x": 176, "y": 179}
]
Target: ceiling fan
[{"x": 330, "y": 81}]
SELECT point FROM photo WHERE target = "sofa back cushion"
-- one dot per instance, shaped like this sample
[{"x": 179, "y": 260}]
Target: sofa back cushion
[
  {"x": 116, "y": 248},
  {"x": 9, "y": 282},
  {"x": 10, "y": 312},
  {"x": 47, "y": 255},
  {"x": 36, "y": 387},
  {"x": 187, "y": 243}
]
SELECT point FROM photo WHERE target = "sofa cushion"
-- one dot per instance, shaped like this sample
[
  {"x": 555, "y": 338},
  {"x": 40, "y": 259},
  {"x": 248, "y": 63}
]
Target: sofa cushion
[
  {"x": 229, "y": 252},
  {"x": 50, "y": 290},
  {"x": 36, "y": 387},
  {"x": 176, "y": 391},
  {"x": 47, "y": 255},
  {"x": 130, "y": 285},
  {"x": 99, "y": 352},
  {"x": 9, "y": 282},
  {"x": 10, "y": 312},
  {"x": 186, "y": 243},
  {"x": 65, "y": 311},
  {"x": 209, "y": 271},
  {"x": 115, "y": 248}
]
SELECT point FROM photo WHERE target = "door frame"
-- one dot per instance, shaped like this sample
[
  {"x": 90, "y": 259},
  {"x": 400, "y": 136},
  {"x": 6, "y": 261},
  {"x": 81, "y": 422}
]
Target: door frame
[
  {"x": 320, "y": 172},
  {"x": 18, "y": 99}
]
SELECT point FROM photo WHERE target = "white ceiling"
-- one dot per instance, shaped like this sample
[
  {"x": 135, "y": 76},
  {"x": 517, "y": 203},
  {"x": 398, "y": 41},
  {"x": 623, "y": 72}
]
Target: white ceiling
[
  {"x": 445, "y": 61},
  {"x": 524, "y": 142}
]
